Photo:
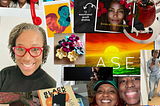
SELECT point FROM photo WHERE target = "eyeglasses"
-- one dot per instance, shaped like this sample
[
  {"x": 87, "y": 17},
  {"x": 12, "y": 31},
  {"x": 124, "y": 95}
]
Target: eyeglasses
[{"x": 33, "y": 51}]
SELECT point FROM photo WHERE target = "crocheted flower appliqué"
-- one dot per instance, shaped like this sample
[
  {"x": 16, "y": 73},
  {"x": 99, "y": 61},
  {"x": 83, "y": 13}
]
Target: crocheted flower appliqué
[
  {"x": 79, "y": 50},
  {"x": 78, "y": 44},
  {"x": 70, "y": 48},
  {"x": 73, "y": 38},
  {"x": 60, "y": 43},
  {"x": 60, "y": 53},
  {"x": 67, "y": 46},
  {"x": 72, "y": 55}
]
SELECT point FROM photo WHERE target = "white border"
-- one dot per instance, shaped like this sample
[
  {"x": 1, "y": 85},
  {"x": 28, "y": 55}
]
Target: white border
[
  {"x": 55, "y": 2},
  {"x": 96, "y": 22}
]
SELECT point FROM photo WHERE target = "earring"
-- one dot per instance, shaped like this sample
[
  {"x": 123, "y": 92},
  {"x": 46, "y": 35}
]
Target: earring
[
  {"x": 41, "y": 65},
  {"x": 16, "y": 65}
]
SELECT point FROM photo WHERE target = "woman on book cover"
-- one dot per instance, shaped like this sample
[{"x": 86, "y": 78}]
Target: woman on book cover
[
  {"x": 106, "y": 94},
  {"x": 29, "y": 50},
  {"x": 112, "y": 16},
  {"x": 129, "y": 90}
]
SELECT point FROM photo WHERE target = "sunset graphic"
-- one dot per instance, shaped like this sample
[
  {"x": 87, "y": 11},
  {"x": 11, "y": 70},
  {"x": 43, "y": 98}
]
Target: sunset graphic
[{"x": 114, "y": 50}]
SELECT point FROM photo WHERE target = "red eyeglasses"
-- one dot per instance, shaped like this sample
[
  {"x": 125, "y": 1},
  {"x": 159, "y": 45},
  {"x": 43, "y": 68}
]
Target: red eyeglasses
[{"x": 33, "y": 51}]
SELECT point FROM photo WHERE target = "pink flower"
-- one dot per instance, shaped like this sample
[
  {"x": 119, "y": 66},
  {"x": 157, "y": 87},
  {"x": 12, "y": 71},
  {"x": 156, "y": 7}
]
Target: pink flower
[
  {"x": 78, "y": 44},
  {"x": 73, "y": 38},
  {"x": 67, "y": 46},
  {"x": 101, "y": 10}
]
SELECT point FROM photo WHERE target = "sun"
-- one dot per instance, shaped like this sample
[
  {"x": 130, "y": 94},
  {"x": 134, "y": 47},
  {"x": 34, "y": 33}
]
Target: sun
[{"x": 111, "y": 49}]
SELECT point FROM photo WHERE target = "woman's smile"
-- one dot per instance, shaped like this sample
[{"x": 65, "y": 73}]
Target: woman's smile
[{"x": 27, "y": 63}]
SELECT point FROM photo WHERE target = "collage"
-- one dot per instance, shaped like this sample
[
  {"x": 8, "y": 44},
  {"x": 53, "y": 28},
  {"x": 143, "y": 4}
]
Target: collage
[{"x": 79, "y": 52}]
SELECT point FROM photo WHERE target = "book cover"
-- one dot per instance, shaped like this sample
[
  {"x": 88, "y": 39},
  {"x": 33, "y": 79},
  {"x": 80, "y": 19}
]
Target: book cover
[
  {"x": 60, "y": 96},
  {"x": 113, "y": 16},
  {"x": 57, "y": 17},
  {"x": 84, "y": 15}
]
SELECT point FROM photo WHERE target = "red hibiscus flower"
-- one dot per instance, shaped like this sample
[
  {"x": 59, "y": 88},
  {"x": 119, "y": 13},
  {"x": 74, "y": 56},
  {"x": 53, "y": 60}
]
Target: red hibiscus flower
[
  {"x": 122, "y": 2},
  {"x": 101, "y": 10},
  {"x": 128, "y": 5}
]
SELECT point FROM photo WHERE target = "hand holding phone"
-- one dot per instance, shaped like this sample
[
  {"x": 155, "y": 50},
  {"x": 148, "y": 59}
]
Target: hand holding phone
[{"x": 153, "y": 61}]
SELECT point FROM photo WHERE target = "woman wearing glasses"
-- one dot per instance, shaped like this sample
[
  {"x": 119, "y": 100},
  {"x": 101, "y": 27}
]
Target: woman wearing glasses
[{"x": 29, "y": 50}]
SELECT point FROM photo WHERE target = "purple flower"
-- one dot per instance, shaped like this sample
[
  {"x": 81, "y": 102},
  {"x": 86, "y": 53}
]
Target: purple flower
[
  {"x": 67, "y": 46},
  {"x": 73, "y": 38}
]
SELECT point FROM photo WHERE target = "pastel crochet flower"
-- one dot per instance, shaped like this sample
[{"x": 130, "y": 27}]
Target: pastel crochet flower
[
  {"x": 60, "y": 43},
  {"x": 60, "y": 53},
  {"x": 78, "y": 44},
  {"x": 101, "y": 10},
  {"x": 67, "y": 46},
  {"x": 72, "y": 55},
  {"x": 73, "y": 38}
]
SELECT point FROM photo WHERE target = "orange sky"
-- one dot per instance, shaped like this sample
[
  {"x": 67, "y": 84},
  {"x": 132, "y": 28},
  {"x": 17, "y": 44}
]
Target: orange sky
[{"x": 96, "y": 43}]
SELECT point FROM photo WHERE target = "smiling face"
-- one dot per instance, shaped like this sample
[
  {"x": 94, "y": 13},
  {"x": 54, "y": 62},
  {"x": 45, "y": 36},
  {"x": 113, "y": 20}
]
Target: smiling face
[
  {"x": 64, "y": 12},
  {"x": 27, "y": 63},
  {"x": 155, "y": 53},
  {"x": 106, "y": 95},
  {"x": 115, "y": 13},
  {"x": 129, "y": 89},
  {"x": 4, "y": 3}
]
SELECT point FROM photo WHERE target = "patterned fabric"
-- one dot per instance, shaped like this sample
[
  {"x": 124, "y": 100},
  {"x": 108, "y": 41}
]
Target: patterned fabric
[
  {"x": 14, "y": 98},
  {"x": 9, "y": 97}
]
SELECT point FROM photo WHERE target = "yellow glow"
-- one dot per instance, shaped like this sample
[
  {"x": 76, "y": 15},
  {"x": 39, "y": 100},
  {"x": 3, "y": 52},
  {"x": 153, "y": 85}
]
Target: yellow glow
[{"x": 111, "y": 49}]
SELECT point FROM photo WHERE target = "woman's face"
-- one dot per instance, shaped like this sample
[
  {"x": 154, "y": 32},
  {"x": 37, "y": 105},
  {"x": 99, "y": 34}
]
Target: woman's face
[
  {"x": 4, "y": 3},
  {"x": 129, "y": 89},
  {"x": 28, "y": 39},
  {"x": 64, "y": 12},
  {"x": 51, "y": 23},
  {"x": 22, "y": 1},
  {"x": 115, "y": 13},
  {"x": 155, "y": 53},
  {"x": 106, "y": 95}
]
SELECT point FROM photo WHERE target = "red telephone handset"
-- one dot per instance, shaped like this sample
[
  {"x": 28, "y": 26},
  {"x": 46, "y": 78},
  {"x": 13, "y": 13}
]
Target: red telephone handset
[{"x": 36, "y": 20}]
